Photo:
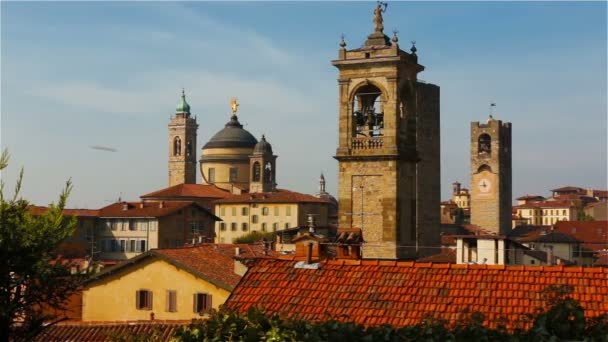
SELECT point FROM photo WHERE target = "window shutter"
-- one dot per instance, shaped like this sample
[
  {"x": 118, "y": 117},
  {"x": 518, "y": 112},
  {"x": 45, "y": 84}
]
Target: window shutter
[
  {"x": 149, "y": 300},
  {"x": 137, "y": 303},
  {"x": 194, "y": 303},
  {"x": 168, "y": 300},
  {"x": 209, "y": 306}
]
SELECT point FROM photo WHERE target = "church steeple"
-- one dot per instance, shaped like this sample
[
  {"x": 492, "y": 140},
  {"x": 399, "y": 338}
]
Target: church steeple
[
  {"x": 182, "y": 145},
  {"x": 263, "y": 168}
]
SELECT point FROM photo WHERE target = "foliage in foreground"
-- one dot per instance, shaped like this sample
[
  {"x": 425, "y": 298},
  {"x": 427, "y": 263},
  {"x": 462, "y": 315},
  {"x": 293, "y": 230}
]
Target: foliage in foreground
[
  {"x": 34, "y": 282},
  {"x": 254, "y": 236},
  {"x": 563, "y": 321}
]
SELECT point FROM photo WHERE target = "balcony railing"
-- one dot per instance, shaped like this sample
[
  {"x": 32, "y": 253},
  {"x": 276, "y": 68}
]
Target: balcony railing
[{"x": 367, "y": 143}]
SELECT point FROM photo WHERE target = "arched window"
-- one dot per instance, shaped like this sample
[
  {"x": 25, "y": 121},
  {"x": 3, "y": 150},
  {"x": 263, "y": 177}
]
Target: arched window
[
  {"x": 484, "y": 167},
  {"x": 268, "y": 173},
  {"x": 256, "y": 172},
  {"x": 368, "y": 112},
  {"x": 485, "y": 144},
  {"x": 177, "y": 146},
  {"x": 188, "y": 148}
]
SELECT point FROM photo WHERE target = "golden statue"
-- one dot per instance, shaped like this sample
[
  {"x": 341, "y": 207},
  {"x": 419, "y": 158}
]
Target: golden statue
[{"x": 234, "y": 105}]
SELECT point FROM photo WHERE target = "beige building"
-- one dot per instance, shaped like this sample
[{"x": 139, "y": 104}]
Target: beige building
[
  {"x": 127, "y": 229},
  {"x": 267, "y": 212},
  {"x": 547, "y": 212},
  {"x": 167, "y": 284},
  {"x": 461, "y": 196}
]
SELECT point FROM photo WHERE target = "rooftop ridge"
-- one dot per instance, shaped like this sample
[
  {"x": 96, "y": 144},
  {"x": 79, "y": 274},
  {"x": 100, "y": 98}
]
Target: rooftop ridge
[{"x": 414, "y": 264}]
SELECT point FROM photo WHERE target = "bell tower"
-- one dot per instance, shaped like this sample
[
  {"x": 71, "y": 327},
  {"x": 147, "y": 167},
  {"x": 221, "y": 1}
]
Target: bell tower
[
  {"x": 182, "y": 145},
  {"x": 262, "y": 163},
  {"x": 491, "y": 175},
  {"x": 388, "y": 148}
]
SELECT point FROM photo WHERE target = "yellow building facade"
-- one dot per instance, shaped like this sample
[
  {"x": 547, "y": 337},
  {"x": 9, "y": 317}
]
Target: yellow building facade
[
  {"x": 267, "y": 212},
  {"x": 167, "y": 284}
]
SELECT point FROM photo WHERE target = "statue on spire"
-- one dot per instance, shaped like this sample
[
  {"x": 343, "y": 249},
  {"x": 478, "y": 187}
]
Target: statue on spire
[
  {"x": 234, "y": 105},
  {"x": 378, "y": 21}
]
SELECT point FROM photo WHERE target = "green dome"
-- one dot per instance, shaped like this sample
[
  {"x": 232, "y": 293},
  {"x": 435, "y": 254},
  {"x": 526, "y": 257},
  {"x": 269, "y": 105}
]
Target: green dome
[{"x": 183, "y": 106}]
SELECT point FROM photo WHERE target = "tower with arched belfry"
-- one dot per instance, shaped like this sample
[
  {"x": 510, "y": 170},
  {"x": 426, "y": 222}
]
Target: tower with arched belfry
[
  {"x": 388, "y": 148},
  {"x": 182, "y": 145},
  {"x": 491, "y": 175}
]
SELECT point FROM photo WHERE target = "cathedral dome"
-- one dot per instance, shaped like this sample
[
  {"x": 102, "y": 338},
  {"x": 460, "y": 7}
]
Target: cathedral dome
[
  {"x": 231, "y": 136},
  {"x": 262, "y": 147}
]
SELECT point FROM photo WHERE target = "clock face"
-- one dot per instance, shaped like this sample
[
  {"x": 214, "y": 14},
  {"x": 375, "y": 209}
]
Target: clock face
[{"x": 484, "y": 185}]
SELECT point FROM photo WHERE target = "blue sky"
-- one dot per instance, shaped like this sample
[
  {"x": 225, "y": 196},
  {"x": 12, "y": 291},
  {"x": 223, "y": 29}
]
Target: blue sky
[{"x": 77, "y": 74}]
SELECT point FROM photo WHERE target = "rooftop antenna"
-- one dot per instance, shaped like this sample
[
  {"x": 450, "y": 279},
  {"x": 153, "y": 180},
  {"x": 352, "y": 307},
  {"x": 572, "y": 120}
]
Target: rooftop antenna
[{"x": 492, "y": 105}]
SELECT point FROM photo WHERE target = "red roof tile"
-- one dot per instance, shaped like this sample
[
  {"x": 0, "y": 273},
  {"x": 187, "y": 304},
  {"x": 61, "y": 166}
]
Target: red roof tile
[
  {"x": 189, "y": 190},
  {"x": 146, "y": 209},
  {"x": 568, "y": 189},
  {"x": 529, "y": 197},
  {"x": 279, "y": 196},
  {"x": 593, "y": 235},
  {"x": 547, "y": 204},
  {"x": 408, "y": 292},
  {"x": 108, "y": 331}
]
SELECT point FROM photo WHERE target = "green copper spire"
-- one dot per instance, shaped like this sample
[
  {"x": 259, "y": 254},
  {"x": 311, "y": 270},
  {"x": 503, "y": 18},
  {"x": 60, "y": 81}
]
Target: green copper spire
[{"x": 183, "y": 106}]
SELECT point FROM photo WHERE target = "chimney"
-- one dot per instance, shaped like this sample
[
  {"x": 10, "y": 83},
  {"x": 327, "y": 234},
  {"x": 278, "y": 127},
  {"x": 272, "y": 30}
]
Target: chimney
[
  {"x": 125, "y": 206},
  {"x": 309, "y": 254},
  {"x": 200, "y": 239},
  {"x": 237, "y": 250},
  {"x": 141, "y": 205},
  {"x": 161, "y": 204},
  {"x": 549, "y": 255}
]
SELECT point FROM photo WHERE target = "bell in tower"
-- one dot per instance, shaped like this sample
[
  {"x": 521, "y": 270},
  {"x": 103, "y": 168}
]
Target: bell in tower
[{"x": 388, "y": 147}]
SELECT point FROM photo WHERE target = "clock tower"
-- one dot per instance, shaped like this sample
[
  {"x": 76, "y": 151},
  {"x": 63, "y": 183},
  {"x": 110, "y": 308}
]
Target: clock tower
[{"x": 491, "y": 175}]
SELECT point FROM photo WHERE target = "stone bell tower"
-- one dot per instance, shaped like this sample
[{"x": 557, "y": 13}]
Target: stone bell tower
[
  {"x": 262, "y": 163},
  {"x": 388, "y": 148},
  {"x": 182, "y": 145},
  {"x": 491, "y": 175}
]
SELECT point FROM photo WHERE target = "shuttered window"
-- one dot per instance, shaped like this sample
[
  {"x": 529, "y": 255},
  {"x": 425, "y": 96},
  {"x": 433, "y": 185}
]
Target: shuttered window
[
  {"x": 171, "y": 304},
  {"x": 143, "y": 300},
  {"x": 201, "y": 302}
]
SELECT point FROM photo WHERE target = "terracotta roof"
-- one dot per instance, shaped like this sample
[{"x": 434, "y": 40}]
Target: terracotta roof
[
  {"x": 373, "y": 292},
  {"x": 529, "y": 197},
  {"x": 596, "y": 204},
  {"x": 567, "y": 188},
  {"x": 212, "y": 262},
  {"x": 447, "y": 255},
  {"x": 40, "y": 210},
  {"x": 546, "y": 204},
  {"x": 279, "y": 196},
  {"x": 600, "y": 193},
  {"x": 148, "y": 209},
  {"x": 108, "y": 331},
  {"x": 190, "y": 190},
  {"x": 593, "y": 235}
]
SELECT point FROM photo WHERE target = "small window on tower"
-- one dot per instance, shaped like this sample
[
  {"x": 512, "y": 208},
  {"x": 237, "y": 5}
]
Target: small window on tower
[
  {"x": 485, "y": 144},
  {"x": 177, "y": 146},
  {"x": 256, "y": 172},
  {"x": 268, "y": 173},
  {"x": 188, "y": 148}
]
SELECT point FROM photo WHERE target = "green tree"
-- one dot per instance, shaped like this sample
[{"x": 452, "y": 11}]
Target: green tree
[
  {"x": 254, "y": 236},
  {"x": 581, "y": 215},
  {"x": 34, "y": 280}
]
